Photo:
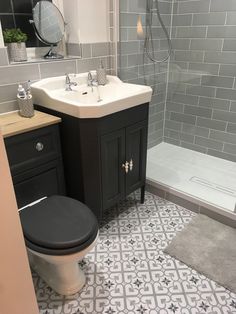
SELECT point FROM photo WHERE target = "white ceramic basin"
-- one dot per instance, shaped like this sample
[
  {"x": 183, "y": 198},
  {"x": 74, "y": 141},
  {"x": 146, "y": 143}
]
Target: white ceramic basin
[{"x": 86, "y": 102}]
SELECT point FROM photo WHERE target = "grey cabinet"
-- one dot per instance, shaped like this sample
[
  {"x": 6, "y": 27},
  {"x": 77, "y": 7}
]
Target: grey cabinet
[{"x": 36, "y": 164}]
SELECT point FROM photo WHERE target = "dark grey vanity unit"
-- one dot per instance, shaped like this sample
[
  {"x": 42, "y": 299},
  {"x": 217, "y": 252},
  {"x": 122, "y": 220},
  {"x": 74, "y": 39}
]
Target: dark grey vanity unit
[{"x": 104, "y": 158}]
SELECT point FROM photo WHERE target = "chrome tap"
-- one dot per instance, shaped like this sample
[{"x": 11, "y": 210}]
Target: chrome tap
[
  {"x": 69, "y": 83},
  {"x": 91, "y": 81}
]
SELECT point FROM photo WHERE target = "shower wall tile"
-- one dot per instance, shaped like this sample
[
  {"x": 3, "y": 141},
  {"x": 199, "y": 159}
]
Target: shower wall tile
[
  {"x": 205, "y": 87},
  {"x": 130, "y": 51}
]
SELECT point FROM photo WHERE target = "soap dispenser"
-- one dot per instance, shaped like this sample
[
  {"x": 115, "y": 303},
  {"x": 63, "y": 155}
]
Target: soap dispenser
[{"x": 101, "y": 74}]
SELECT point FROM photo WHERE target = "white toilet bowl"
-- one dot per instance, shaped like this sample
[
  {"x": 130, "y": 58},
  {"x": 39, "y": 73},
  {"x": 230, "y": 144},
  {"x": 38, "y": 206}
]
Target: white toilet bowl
[{"x": 59, "y": 232}]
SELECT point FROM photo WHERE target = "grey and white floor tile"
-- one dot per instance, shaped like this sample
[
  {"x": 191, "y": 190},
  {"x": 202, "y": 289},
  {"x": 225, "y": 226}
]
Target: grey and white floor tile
[{"x": 128, "y": 273}]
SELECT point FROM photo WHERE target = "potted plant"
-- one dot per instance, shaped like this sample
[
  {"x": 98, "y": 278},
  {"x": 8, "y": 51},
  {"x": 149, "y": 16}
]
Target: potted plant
[{"x": 15, "y": 40}]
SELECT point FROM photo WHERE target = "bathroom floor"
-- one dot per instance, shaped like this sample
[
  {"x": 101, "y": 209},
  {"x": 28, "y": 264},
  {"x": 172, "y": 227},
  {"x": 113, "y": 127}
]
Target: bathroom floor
[
  {"x": 128, "y": 272},
  {"x": 200, "y": 176}
]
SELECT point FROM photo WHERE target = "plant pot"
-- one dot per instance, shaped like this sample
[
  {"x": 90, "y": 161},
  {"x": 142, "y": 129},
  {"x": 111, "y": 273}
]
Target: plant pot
[{"x": 17, "y": 52}]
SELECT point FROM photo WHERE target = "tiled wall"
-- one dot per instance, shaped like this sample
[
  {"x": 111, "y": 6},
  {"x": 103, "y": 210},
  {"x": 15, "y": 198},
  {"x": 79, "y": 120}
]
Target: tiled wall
[
  {"x": 16, "y": 14},
  {"x": 131, "y": 67},
  {"x": 201, "y": 102},
  {"x": 12, "y": 75}
]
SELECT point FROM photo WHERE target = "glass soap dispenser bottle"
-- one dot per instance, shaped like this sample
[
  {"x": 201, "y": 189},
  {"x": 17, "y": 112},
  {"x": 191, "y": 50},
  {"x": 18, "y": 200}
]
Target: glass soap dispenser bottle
[{"x": 101, "y": 74}]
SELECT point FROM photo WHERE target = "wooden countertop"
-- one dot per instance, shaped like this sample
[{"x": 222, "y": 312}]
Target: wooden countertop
[{"x": 12, "y": 123}]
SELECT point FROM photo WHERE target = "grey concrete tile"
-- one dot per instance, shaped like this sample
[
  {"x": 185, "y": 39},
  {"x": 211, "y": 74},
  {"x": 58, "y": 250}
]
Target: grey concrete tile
[
  {"x": 57, "y": 68},
  {"x": 198, "y": 111},
  {"x": 221, "y": 6},
  {"x": 209, "y": 18},
  {"x": 224, "y": 116},
  {"x": 194, "y": 147},
  {"x": 231, "y": 128},
  {"x": 228, "y": 70},
  {"x": 211, "y": 124},
  {"x": 222, "y": 155},
  {"x": 19, "y": 73},
  {"x": 226, "y": 93},
  {"x": 194, "y": 6},
  {"x": 182, "y": 202},
  {"x": 221, "y": 104},
  {"x": 195, "y": 130},
  {"x": 209, "y": 143},
  {"x": 218, "y": 81},
  {"x": 229, "y": 148},
  {"x": 206, "y": 44},
  {"x": 180, "y": 117},
  {"x": 223, "y": 137}
]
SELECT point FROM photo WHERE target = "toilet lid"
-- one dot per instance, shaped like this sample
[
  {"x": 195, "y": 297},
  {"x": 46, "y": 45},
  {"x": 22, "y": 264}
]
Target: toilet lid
[{"x": 58, "y": 222}]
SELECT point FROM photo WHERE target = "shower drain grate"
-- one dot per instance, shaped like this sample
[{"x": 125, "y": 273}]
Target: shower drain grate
[{"x": 214, "y": 186}]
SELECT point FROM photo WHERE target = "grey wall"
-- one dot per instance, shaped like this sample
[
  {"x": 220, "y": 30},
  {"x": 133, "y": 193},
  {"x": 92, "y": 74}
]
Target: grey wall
[
  {"x": 131, "y": 67},
  {"x": 201, "y": 102},
  {"x": 12, "y": 75}
]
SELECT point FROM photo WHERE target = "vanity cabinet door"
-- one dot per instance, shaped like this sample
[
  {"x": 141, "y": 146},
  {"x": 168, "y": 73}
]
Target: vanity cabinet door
[
  {"x": 136, "y": 150},
  {"x": 113, "y": 174}
]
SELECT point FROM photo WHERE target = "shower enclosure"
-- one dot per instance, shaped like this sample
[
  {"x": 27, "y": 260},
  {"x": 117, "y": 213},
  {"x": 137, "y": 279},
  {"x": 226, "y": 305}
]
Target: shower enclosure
[{"x": 192, "y": 116}]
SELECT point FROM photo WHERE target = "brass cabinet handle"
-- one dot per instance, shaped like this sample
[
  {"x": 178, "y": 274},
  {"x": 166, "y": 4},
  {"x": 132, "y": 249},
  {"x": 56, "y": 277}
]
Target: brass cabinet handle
[
  {"x": 131, "y": 164},
  {"x": 126, "y": 166},
  {"x": 39, "y": 146}
]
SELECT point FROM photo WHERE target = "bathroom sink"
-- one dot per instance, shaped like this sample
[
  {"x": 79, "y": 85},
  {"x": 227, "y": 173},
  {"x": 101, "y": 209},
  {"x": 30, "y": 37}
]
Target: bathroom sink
[{"x": 86, "y": 101}]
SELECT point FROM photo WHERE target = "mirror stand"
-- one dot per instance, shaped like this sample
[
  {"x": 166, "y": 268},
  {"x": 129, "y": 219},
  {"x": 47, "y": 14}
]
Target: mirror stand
[{"x": 52, "y": 55}]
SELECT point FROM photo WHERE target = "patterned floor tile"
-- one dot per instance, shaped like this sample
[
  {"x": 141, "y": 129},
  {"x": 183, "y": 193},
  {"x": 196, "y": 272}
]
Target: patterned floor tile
[{"x": 128, "y": 273}]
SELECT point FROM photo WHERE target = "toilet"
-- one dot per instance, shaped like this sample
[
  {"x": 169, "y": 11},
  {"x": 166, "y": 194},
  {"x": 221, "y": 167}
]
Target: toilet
[{"x": 59, "y": 231}]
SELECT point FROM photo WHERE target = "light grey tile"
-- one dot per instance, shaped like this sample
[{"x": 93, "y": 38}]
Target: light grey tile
[
  {"x": 221, "y": 32},
  {"x": 233, "y": 106},
  {"x": 206, "y": 44},
  {"x": 182, "y": 20},
  {"x": 100, "y": 49},
  {"x": 184, "y": 99},
  {"x": 231, "y": 128},
  {"x": 228, "y": 70},
  {"x": 222, "y": 155},
  {"x": 218, "y": 81},
  {"x": 229, "y": 148},
  {"x": 8, "y": 106},
  {"x": 74, "y": 49},
  {"x": 226, "y": 93},
  {"x": 191, "y": 32},
  {"x": 231, "y": 18},
  {"x": 224, "y": 116},
  {"x": 209, "y": 143},
  {"x": 57, "y": 68},
  {"x": 175, "y": 107},
  {"x": 221, "y": 6},
  {"x": 220, "y": 57},
  {"x": 194, "y": 6},
  {"x": 201, "y": 90},
  {"x": 198, "y": 111},
  {"x": 211, "y": 124},
  {"x": 19, "y": 73},
  {"x": 173, "y": 125},
  {"x": 8, "y": 92},
  {"x": 171, "y": 141},
  {"x": 195, "y": 130},
  {"x": 180, "y": 117},
  {"x": 223, "y": 137},
  {"x": 209, "y": 18},
  {"x": 178, "y": 44},
  {"x": 188, "y": 56},
  {"x": 221, "y": 104},
  {"x": 229, "y": 45},
  {"x": 204, "y": 68},
  {"x": 194, "y": 147},
  {"x": 86, "y": 51},
  {"x": 129, "y": 47}
]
